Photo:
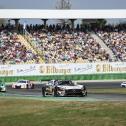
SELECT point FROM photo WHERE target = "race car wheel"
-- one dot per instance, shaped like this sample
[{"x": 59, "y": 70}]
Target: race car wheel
[
  {"x": 55, "y": 92},
  {"x": 123, "y": 86},
  {"x": 85, "y": 93},
  {"x": 43, "y": 91},
  {"x": 32, "y": 86}
]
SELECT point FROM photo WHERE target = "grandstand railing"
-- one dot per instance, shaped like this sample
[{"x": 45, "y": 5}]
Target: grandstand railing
[
  {"x": 29, "y": 38},
  {"x": 114, "y": 56}
]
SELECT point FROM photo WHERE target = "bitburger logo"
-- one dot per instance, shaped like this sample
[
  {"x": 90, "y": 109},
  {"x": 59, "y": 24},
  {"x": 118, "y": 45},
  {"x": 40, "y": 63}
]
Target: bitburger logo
[
  {"x": 53, "y": 69},
  {"x": 98, "y": 68},
  {"x": 42, "y": 69}
]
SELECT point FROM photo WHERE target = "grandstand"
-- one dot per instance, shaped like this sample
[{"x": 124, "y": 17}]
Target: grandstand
[{"x": 61, "y": 44}]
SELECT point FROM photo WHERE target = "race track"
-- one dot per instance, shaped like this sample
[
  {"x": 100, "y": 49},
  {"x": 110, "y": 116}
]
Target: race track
[{"x": 36, "y": 93}]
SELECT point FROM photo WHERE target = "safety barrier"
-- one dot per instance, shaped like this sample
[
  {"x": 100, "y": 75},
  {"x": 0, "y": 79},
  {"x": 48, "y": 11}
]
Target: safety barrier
[{"x": 115, "y": 76}]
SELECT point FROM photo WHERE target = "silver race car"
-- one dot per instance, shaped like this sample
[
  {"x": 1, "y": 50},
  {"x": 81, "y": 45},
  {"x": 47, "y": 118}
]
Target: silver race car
[
  {"x": 2, "y": 86},
  {"x": 63, "y": 88}
]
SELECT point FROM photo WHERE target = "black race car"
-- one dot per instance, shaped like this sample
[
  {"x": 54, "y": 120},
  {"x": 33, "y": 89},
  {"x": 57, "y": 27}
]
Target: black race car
[{"x": 63, "y": 88}]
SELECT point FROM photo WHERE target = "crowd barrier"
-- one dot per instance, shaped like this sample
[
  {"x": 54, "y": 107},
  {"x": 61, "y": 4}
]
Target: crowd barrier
[{"x": 43, "y": 72}]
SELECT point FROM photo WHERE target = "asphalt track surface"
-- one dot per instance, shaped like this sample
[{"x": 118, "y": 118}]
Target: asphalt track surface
[{"x": 36, "y": 93}]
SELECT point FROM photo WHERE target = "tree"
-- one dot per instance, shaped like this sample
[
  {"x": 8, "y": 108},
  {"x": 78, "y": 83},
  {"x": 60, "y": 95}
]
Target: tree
[
  {"x": 2, "y": 21},
  {"x": 63, "y": 4},
  {"x": 94, "y": 23},
  {"x": 101, "y": 22}
]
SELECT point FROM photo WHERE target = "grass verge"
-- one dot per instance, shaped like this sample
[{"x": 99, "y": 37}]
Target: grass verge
[
  {"x": 26, "y": 112},
  {"x": 108, "y": 90}
]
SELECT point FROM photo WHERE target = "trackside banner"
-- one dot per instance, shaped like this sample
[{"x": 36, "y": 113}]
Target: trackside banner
[{"x": 62, "y": 69}]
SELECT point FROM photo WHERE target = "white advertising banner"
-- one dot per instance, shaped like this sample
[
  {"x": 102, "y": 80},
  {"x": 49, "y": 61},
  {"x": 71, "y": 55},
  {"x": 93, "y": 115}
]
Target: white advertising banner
[{"x": 62, "y": 69}]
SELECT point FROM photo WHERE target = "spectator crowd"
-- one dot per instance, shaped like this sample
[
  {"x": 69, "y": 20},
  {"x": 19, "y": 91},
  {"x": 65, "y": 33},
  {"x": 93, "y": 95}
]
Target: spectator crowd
[
  {"x": 116, "y": 41},
  {"x": 12, "y": 51},
  {"x": 61, "y": 44},
  {"x": 66, "y": 46}
]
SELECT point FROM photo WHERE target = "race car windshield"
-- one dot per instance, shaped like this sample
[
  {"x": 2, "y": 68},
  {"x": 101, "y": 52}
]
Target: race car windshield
[
  {"x": 69, "y": 83},
  {"x": 21, "y": 81}
]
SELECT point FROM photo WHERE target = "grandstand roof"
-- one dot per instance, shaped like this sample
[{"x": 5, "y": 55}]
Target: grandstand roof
[{"x": 62, "y": 14}]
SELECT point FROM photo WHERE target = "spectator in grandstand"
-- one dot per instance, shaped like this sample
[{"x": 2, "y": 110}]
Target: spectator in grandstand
[
  {"x": 12, "y": 51},
  {"x": 116, "y": 41},
  {"x": 61, "y": 44},
  {"x": 67, "y": 46}
]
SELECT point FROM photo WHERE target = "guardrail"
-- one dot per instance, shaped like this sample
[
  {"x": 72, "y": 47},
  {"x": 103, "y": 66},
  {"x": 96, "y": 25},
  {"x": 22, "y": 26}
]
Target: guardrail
[{"x": 115, "y": 76}]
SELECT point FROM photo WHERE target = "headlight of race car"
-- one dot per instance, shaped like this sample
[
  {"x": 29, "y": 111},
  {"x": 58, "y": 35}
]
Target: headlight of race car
[
  {"x": 82, "y": 89},
  {"x": 60, "y": 89}
]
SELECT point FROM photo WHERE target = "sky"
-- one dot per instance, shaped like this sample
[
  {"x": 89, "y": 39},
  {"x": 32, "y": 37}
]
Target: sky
[
  {"x": 75, "y": 4},
  {"x": 51, "y": 4}
]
